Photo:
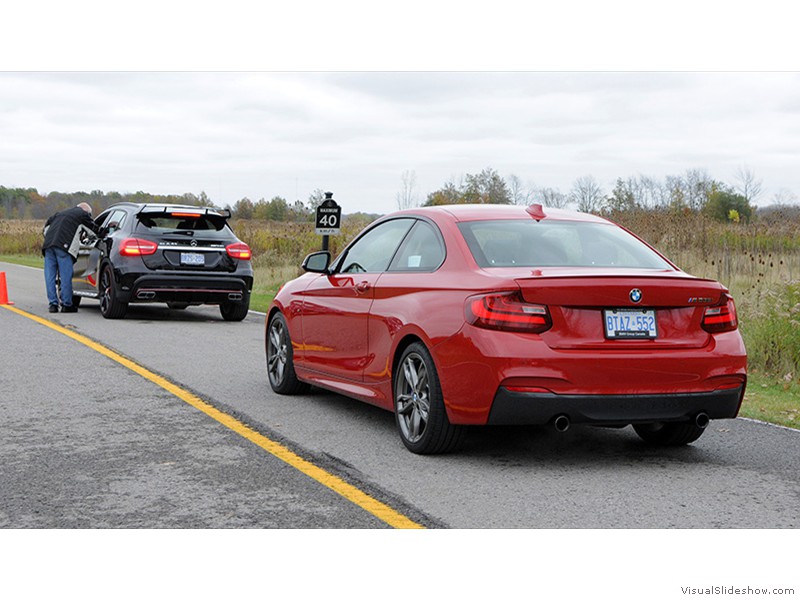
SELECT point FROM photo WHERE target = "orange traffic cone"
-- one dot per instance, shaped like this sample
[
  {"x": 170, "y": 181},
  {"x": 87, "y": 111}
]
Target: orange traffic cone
[{"x": 3, "y": 290}]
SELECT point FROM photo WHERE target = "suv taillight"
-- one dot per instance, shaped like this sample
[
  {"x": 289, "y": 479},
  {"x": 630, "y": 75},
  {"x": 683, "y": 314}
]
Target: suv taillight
[
  {"x": 507, "y": 312},
  {"x": 722, "y": 317},
  {"x": 137, "y": 247},
  {"x": 239, "y": 250}
]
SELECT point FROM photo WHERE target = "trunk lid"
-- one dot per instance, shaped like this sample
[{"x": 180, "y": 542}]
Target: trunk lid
[{"x": 581, "y": 301}]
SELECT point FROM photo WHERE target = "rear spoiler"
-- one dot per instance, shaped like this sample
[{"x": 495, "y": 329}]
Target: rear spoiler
[{"x": 212, "y": 211}]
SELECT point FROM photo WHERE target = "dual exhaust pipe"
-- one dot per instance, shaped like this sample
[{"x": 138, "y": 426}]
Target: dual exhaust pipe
[
  {"x": 562, "y": 422},
  {"x": 148, "y": 295}
]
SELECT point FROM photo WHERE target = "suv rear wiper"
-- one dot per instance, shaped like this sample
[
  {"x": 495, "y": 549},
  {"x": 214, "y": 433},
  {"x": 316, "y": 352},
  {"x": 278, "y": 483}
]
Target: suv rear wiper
[{"x": 188, "y": 232}]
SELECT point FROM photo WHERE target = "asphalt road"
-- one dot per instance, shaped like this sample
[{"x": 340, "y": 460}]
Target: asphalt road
[{"x": 87, "y": 443}]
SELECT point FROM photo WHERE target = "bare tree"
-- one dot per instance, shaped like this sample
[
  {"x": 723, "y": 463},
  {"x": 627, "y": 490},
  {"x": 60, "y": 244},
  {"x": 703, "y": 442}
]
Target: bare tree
[
  {"x": 698, "y": 187},
  {"x": 747, "y": 184},
  {"x": 676, "y": 192},
  {"x": 519, "y": 195},
  {"x": 551, "y": 197},
  {"x": 587, "y": 194},
  {"x": 407, "y": 196},
  {"x": 653, "y": 192},
  {"x": 784, "y": 196}
]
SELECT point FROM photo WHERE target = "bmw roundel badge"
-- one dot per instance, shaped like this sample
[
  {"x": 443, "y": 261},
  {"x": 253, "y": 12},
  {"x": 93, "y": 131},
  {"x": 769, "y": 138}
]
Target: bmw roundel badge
[{"x": 635, "y": 295}]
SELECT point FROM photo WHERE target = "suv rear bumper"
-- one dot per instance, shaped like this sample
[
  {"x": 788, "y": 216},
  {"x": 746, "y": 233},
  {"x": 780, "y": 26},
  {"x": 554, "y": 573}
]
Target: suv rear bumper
[
  {"x": 518, "y": 408},
  {"x": 182, "y": 288}
]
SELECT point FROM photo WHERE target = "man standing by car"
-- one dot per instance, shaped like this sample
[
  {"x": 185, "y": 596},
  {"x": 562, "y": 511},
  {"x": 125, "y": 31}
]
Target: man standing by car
[{"x": 60, "y": 249}]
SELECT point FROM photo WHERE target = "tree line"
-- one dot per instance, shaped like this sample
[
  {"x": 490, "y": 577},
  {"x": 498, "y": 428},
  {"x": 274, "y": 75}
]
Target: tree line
[
  {"x": 28, "y": 203},
  {"x": 692, "y": 191}
]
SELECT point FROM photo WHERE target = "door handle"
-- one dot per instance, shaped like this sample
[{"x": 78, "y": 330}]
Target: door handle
[{"x": 362, "y": 287}]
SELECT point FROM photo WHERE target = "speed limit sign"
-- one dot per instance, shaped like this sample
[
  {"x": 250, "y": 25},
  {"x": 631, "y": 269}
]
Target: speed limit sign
[{"x": 329, "y": 216}]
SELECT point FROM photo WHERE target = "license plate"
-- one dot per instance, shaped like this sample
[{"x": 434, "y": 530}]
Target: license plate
[
  {"x": 625, "y": 323},
  {"x": 193, "y": 259}
]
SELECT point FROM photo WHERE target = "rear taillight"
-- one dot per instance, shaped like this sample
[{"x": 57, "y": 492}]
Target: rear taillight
[
  {"x": 507, "y": 312},
  {"x": 137, "y": 247},
  {"x": 722, "y": 317},
  {"x": 239, "y": 250}
]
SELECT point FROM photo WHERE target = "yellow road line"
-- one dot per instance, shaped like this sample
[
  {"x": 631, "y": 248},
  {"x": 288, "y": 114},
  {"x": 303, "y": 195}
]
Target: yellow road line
[{"x": 380, "y": 510}]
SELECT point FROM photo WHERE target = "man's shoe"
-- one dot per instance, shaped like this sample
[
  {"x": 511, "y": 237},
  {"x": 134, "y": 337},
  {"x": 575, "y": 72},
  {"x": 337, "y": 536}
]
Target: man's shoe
[
  {"x": 69, "y": 309},
  {"x": 53, "y": 308}
]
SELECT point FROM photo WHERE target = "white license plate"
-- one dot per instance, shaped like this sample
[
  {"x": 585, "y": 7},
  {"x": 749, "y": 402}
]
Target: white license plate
[
  {"x": 193, "y": 259},
  {"x": 626, "y": 323}
]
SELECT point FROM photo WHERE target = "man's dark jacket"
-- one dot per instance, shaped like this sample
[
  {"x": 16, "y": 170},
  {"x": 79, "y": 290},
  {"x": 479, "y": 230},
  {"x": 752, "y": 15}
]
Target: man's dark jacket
[{"x": 62, "y": 230}]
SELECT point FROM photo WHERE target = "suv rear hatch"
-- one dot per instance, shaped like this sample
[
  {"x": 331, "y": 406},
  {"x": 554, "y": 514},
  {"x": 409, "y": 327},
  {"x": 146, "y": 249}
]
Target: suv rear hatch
[{"x": 189, "y": 239}]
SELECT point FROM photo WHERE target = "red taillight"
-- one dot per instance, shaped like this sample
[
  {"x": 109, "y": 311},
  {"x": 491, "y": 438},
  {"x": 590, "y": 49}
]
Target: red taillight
[
  {"x": 717, "y": 319},
  {"x": 137, "y": 247},
  {"x": 239, "y": 250},
  {"x": 507, "y": 312}
]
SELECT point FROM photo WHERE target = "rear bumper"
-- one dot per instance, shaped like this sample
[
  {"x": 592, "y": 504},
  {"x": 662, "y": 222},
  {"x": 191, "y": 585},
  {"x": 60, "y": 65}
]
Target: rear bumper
[
  {"x": 519, "y": 408},
  {"x": 193, "y": 289},
  {"x": 477, "y": 368}
]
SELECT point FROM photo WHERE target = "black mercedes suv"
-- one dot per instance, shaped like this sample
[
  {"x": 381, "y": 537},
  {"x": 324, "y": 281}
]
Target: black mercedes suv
[{"x": 181, "y": 255}]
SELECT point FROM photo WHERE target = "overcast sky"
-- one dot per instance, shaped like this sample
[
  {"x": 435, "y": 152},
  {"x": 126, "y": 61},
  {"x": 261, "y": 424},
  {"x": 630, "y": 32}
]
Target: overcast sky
[
  {"x": 267, "y": 99},
  {"x": 261, "y": 135}
]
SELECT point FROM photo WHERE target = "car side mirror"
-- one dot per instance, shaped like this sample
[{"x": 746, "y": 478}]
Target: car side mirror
[{"x": 317, "y": 262}]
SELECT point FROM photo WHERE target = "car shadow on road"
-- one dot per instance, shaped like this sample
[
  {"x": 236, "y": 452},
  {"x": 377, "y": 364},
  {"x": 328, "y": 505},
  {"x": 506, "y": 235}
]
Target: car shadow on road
[
  {"x": 148, "y": 313},
  {"x": 521, "y": 445},
  {"x": 580, "y": 445}
]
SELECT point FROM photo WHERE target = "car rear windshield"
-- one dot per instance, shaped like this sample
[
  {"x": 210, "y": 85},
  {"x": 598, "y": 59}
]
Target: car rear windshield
[
  {"x": 529, "y": 243},
  {"x": 165, "y": 222}
]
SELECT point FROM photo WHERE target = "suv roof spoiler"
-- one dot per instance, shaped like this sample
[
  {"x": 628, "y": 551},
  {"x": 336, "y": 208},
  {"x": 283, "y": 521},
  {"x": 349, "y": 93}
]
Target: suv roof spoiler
[{"x": 225, "y": 213}]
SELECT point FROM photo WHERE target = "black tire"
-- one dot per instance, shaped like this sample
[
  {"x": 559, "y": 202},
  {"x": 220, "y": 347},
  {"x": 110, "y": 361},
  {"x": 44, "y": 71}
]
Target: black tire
[
  {"x": 280, "y": 359},
  {"x": 110, "y": 305},
  {"x": 669, "y": 434},
  {"x": 234, "y": 311},
  {"x": 76, "y": 300},
  {"x": 419, "y": 405}
]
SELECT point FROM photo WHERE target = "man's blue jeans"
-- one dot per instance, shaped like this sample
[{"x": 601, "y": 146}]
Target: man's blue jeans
[{"x": 58, "y": 261}]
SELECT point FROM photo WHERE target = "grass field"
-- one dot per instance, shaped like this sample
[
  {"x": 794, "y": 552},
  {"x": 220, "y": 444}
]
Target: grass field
[
  {"x": 772, "y": 399},
  {"x": 759, "y": 263}
]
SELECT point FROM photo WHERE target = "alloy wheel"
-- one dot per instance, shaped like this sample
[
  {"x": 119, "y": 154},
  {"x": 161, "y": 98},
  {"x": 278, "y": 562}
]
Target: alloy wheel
[
  {"x": 105, "y": 291},
  {"x": 413, "y": 398},
  {"x": 277, "y": 354}
]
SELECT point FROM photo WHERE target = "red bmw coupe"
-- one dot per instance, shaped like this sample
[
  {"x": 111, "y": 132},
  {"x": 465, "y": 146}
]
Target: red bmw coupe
[{"x": 465, "y": 315}]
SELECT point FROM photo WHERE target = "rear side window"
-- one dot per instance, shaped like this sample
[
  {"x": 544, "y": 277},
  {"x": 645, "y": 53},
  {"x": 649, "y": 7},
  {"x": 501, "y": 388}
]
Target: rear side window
[
  {"x": 528, "y": 243},
  {"x": 114, "y": 220},
  {"x": 422, "y": 250}
]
